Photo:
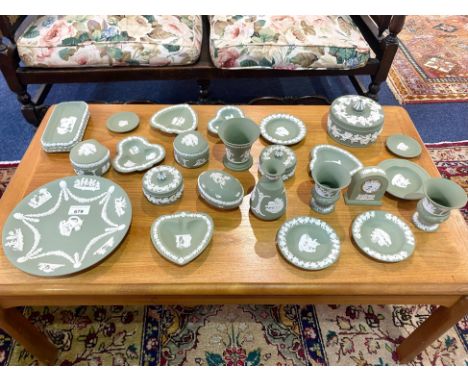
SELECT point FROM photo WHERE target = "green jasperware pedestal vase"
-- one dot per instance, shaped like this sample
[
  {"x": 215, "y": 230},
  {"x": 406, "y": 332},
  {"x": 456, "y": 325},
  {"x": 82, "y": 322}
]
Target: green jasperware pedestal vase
[{"x": 268, "y": 200}]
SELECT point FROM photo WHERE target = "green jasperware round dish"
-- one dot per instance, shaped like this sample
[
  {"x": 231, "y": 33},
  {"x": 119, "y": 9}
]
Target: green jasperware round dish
[
  {"x": 355, "y": 121},
  {"x": 220, "y": 189},
  {"x": 163, "y": 185},
  {"x": 191, "y": 149},
  {"x": 308, "y": 243},
  {"x": 383, "y": 236},
  {"x": 67, "y": 226},
  {"x": 403, "y": 146},
  {"x": 123, "y": 122},
  {"x": 282, "y": 153},
  {"x": 282, "y": 129},
  {"x": 90, "y": 158},
  {"x": 406, "y": 179}
]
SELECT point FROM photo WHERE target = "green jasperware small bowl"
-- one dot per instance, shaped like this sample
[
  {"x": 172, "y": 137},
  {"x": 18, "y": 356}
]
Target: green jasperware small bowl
[
  {"x": 90, "y": 158},
  {"x": 191, "y": 149}
]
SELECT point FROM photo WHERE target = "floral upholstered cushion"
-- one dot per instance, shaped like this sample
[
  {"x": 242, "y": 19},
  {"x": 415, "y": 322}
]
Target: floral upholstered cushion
[
  {"x": 58, "y": 41},
  {"x": 287, "y": 42}
]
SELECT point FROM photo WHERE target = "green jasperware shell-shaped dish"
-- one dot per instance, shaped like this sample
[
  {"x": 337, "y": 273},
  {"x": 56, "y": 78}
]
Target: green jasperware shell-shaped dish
[
  {"x": 90, "y": 158},
  {"x": 67, "y": 226},
  {"x": 137, "y": 154},
  {"x": 163, "y": 185},
  {"x": 383, "y": 236},
  {"x": 123, "y": 122},
  {"x": 183, "y": 236},
  {"x": 223, "y": 114},
  {"x": 175, "y": 119},
  {"x": 308, "y": 243},
  {"x": 65, "y": 127},
  {"x": 403, "y": 146},
  {"x": 331, "y": 154},
  {"x": 191, "y": 149},
  {"x": 220, "y": 189},
  {"x": 282, "y": 153},
  {"x": 282, "y": 129}
]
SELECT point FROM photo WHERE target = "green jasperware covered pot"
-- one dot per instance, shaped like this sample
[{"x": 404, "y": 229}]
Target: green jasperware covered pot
[
  {"x": 355, "y": 121},
  {"x": 90, "y": 158},
  {"x": 163, "y": 185},
  {"x": 282, "y": 153},
  {"x": 191, "y": 149}
]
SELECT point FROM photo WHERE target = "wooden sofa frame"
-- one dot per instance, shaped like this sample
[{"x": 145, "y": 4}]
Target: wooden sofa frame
[{"x": 380, "y": 33}]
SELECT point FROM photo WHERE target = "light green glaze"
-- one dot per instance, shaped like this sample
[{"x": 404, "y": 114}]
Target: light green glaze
[
  {"x": 137, "y": 154},
  {"x": 383, "y": 236},
  {"x": 332, "y": 154},
  {"x": 441, "y": 196},
  {"x": 238, "y": 136},
  {"x": 183, "y": 236},
  {"x": 163, "y": 185},
  {"x": 175, "y": 119},
  {"x": 282, "y": 153},
  {"x": 90, "y": 158},
  {"x": 65, "y": 127},
  {"x": 67, "y": 225},
  {"x": 406, "y": 179},
  {"x": 367, "y": 187},
  {"x": 123, "y": 122},
  {"x": 220, "y": 189},
  {"x": 282, "y": 129},
  {"x": 403, "y": 146},
  {"x": 191, "y": 149},
  {"x": 268, "y": 200},
  {"x": 330, "y": 178},
  {"x": 225, "y": 113},
  {"x": 308, "y": 243}
]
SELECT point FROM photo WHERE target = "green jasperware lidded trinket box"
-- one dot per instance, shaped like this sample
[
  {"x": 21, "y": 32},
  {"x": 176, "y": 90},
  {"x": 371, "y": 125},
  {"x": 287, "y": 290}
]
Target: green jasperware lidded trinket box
[
  {"x": 282, "y": 153},
  {"x": 355, "y": 121},
  {"x": 90, "y": 158},
  {"x": 163, "y": 185},
  {"x": 191, "y": 149},
  {"x": 220, "y": 189}
]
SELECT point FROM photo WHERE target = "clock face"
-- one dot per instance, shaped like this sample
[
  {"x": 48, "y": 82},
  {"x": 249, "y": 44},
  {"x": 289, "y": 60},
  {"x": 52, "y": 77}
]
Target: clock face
[{"x": 371, "y": 186}]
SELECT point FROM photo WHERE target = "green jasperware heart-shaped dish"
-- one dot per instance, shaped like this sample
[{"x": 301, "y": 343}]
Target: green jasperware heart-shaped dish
[
  {"x": 223, "y": 114},
  {"x": 183, "y": 236},
  {"x": 322, "y": 154},
  {"x": 137, "y": 154},
  {"x": 175, "y": 119}
]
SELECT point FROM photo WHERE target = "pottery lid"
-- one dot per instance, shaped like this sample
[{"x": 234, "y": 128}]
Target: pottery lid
[
  {"x": 220, "y": 189},
  {"x": 282, "y": 153},
  {"x": 190, "y": 143},
  {"x": 89, "y": 152},
  {"x": 162, "y": 181},
  {"x": 357, "y": 111}
]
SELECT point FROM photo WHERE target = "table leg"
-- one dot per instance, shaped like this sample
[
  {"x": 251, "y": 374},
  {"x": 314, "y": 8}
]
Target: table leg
[
  {"x": 430, "y": 330},
  {"x": 15, "y": 324}
]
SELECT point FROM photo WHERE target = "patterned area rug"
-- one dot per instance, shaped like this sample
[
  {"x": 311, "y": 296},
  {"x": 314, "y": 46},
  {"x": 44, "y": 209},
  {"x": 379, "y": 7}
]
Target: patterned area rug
[
  {"x": 244, "y": 334},
  {"x": 431, "y": 64}
]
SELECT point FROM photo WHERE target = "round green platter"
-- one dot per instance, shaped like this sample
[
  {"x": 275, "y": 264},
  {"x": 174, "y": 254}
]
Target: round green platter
[{"x": 282, "y": 129}]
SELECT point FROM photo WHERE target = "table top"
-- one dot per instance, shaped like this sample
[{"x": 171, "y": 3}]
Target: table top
[{"x": 242, "y": 258}]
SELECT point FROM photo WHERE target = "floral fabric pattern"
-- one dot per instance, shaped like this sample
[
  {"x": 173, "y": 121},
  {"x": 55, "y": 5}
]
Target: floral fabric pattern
[
  {"x": 62, "y": 41},
  {"x": 287, "y": 42}
]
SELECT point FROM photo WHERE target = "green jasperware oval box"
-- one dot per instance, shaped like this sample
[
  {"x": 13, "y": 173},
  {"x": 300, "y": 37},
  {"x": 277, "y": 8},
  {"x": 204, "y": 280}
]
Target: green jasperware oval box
[
  {"x": 284, "y": 154},
  {"x": 220, "y": 189},
  {"x": 355, "y": 121},
  {"x": 163, "y": 185},
  {"x": 191, "y": 149},
  {"x": 90, "y": 158}
]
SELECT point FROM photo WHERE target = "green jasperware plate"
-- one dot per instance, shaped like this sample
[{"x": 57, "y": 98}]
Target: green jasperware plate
[
  {"x": 332, "y": 154},
  {"x": 65, "y": 127},
  {"x": 137, "y": 154},
  {"x": 282, "y": 129},
  {"x": 67, "y": 226},
  {"x": 223, "y": 114},
  {"x": 175, "y": 119},
  {"x": 123, "y": 122},
  {"x": 220, "y": 189},
  {"x": 406, "y": 179},
  {"x": 403, "y": 146},
  {"x": 308, "y": 243},
  {"x": 183, "y": 236},
  {"x": 383, "y": 236}
]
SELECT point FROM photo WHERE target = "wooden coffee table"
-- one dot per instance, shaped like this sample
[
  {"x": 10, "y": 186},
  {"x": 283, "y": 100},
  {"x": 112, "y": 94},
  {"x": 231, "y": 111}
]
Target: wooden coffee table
[{"x": 242, "y": 264}]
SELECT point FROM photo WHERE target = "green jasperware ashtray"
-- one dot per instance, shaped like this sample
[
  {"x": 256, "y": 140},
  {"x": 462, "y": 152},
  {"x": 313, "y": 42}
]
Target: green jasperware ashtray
[
  {"x": 191, "y": 149},
  {"x": 90, "y": 158},
  {"x": 163, "y": 185},
  {"x": 175, "y": 119},
  {"x": 355, "y": 121},
  {"x": 220, "y": 189},
  {"x": 282, "y": 153}
]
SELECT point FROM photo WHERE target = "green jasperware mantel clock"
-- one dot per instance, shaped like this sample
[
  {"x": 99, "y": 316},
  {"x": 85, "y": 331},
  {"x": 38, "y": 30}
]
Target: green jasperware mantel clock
[{"x": 367, "y": 187}]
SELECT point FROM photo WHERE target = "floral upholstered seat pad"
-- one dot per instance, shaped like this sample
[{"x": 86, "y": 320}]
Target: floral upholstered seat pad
[
  {"x": 57, "y": 41},
  {"x": 287, "y": 42}
]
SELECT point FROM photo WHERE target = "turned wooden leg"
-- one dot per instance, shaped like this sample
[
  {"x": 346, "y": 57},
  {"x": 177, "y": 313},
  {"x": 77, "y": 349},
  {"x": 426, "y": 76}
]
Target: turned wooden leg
[
  {"x": 15, "y": 324},
  {"x": 430, "y": 330}
]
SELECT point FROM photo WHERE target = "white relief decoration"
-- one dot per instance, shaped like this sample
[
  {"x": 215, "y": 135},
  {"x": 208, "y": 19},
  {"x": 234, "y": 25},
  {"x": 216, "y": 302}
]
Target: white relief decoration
[
  {"x": 371, "y": 186},
  {"x": 402, "y": 146},
  {"x": 190, "y": 140},
  {"x": 14, "y": 240},
  {"x": 183, "y": 241},
  {"x": 178, "y": 121},
  {"x": 123, "y": 123},
  {"x": 166, "y": 200},
  {"x": 381, "y": 238},
  {"x": 325, "y": 192},
  {"x": 49, "y": 267},
  {"x": 366, "y": 197},
  {"x": 134, "y": 150},
  {"x": 219, "y": 179},
  {"x": 66, "y": 125},
  {"x": 400, "y": 181},
  {"x": 257, "y": 198},
  {"x": 343, "y": 110},
  {"x": 151, "y": 156},
  {"x": 73, "y": 223},
  {"x": 129, "y": 163},
  {"x": 87, "y": 149},
  {"x": 170, "y": 121},
  {"x": 281, "y": 131},
  {"x": 338, "y": 161},
  {"x": 86, "y": 184},
  {"x": 103, "y": 249},
  {"x": 345, "y": 136},
  {"x": 41, "y": 197},
  {"x": 120, "y": 205},
  {"x": 229, "y": 116},
  {"x": 348, "y": 160},
  {"x": 274, "y": 206},
  {"x": 423, "y": 227},
  {"x": 307, "y": 244},
  {"x": 151, "y": 183}
]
